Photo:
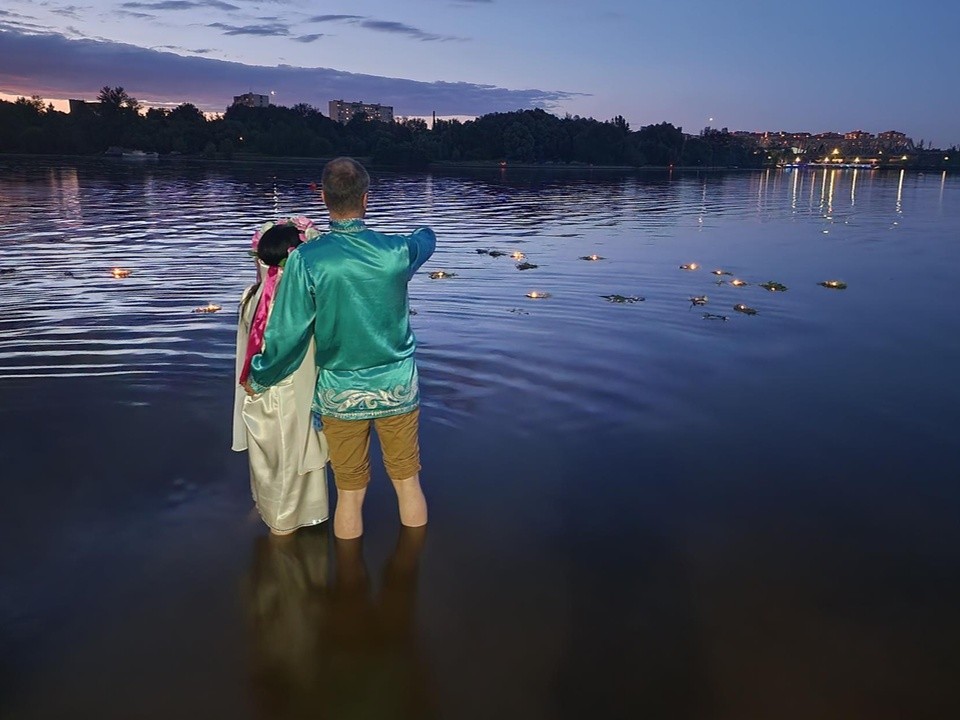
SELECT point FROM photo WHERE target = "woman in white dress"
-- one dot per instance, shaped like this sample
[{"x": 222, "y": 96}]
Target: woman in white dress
[{"x": 287, "y": 454}]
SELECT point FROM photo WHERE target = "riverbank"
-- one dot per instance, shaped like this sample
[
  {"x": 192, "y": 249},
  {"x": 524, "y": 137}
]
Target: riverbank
[{"x": 451, "y": 166}]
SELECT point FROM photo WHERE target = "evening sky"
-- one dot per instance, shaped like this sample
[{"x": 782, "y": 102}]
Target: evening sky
[{"x": 746, "y": 65}]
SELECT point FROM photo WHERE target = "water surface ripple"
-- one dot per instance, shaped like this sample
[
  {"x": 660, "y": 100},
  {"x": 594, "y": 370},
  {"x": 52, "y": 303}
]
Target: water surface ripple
[{"x": 636, "y": 511}]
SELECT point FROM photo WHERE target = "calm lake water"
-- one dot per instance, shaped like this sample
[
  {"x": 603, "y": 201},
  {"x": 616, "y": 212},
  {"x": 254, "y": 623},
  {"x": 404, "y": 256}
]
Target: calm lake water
[{"x": 636, "y": 510}]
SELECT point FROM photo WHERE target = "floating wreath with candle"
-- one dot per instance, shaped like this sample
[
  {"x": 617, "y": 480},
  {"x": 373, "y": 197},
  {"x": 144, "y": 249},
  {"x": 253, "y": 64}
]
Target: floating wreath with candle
[
  {"x": 739, "y": 283},
  {"x": 740, "y": 308},
  {"x": 721, "y": 272},
  {"x": 774, "y": 286},
  {"x": 441, "y": 275},
  {"x": 591, "y": 257},
  {"x": 833, "y": 284},
  {"x": 208, "y": 308},
  {"x": 526, "y": 266},
  {"x": 538, "y": 295},
  {"x": 690, "y": 266},
  {"x": 623, "y": 298},
  {"x": 120, "y": 272},
  {"x": 698, "y": 300}
]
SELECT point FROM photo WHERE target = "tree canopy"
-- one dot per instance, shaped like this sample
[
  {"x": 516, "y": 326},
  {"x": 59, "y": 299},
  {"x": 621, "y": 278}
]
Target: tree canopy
[{"x": 522, "y": 136}]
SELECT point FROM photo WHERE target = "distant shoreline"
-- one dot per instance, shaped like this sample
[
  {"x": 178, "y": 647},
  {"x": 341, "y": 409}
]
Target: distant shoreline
[{"x": 433, "y": 166}]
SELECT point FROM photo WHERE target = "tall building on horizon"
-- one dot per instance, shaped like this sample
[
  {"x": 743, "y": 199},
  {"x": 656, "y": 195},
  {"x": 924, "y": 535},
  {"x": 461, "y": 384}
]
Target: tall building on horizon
[
  {"x": 252, "y": 100},
  {"x": 343, "y": 112},
  {"x": 80, "y": 107}
]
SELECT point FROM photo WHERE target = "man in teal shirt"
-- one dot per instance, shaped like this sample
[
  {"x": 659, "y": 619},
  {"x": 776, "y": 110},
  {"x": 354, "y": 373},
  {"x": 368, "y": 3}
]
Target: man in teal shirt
[{"x": 347, "y": 290}]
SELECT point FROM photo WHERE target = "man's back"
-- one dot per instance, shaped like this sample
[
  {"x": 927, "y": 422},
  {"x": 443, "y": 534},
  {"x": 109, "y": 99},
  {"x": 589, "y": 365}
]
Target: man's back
[{"x": 359, "y": 278}]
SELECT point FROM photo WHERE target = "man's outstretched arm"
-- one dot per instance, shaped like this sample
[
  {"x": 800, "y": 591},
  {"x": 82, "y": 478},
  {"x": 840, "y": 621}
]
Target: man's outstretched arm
[{"x": 421, "y": 243}]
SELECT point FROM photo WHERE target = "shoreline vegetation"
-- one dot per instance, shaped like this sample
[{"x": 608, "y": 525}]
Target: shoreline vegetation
[{"x": 528, "y": 139}]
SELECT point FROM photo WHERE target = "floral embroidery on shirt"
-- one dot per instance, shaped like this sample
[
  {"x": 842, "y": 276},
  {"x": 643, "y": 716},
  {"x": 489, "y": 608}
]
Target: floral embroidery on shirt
[{"x": 338, "y": 402}]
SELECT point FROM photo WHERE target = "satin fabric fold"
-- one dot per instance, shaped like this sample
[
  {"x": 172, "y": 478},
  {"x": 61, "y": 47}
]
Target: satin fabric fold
[
  {"x": 347, "y": 290},
  {"x": 287, "y": 456}
]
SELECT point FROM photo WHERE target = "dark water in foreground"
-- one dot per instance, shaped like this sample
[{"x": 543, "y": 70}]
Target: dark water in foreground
[{"x": 635, "y": 511}]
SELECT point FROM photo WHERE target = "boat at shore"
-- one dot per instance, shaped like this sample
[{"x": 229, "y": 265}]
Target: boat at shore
[{"x": 127, "y": 154}]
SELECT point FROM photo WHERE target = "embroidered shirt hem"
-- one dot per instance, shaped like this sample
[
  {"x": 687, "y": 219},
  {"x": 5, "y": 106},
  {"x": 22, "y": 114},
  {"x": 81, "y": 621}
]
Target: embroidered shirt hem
[{"x": 364, "y": 414}]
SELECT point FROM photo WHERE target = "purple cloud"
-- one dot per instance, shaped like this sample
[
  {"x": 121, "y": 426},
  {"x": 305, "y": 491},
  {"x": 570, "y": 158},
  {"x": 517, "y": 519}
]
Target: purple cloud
[
  {"x": 266, "y": 30},
  {"x": 53, "y": 66}
]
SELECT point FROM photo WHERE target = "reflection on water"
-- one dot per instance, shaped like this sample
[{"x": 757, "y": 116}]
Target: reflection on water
[
  {"x": 335, "y": 647},
  {"x": 635, "y": 511}
]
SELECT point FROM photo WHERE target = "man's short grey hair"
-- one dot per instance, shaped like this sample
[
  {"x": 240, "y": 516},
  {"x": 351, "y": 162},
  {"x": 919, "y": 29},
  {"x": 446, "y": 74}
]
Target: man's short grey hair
[{"x": 344, "y": 183}]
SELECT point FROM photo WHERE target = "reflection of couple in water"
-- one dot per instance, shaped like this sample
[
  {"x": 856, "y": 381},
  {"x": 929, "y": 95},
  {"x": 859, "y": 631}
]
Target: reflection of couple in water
[
  {"x": 323, "y": 648},
  {"x": 324, "y": 340}
]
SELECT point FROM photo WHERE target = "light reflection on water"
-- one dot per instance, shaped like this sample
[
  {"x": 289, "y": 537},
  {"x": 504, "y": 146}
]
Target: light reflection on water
[{"x": 716, "y": 501}]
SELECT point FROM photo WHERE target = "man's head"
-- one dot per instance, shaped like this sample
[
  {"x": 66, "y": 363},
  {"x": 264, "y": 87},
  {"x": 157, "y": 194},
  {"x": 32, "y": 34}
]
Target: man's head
[{"x": 345, "y": 185}]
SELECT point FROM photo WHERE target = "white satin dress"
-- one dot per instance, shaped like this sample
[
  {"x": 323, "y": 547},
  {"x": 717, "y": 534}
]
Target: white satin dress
[{"x": 287, "y": 456}]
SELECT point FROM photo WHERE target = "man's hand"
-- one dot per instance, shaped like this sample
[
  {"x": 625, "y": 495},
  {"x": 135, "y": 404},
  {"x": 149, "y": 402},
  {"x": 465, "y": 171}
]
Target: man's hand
[{"x": 247, "y": 389}]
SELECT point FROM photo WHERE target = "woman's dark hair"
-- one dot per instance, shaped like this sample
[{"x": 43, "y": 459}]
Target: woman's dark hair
[{"x": 275, "y": 244}]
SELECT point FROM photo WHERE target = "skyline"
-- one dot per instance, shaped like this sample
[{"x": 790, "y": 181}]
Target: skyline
[{"x": 744, "y": 66}]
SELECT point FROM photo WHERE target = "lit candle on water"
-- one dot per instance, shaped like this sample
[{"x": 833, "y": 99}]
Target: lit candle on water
[{"x": 120, "y": 272}]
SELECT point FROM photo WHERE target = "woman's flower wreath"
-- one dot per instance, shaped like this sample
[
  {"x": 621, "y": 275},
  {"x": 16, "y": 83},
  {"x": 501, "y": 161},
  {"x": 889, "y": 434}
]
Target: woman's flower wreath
[{"x": 304, "y": 224}]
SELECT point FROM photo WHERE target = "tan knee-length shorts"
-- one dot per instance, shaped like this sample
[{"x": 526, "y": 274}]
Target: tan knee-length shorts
[{"x": 349, "y": 442}]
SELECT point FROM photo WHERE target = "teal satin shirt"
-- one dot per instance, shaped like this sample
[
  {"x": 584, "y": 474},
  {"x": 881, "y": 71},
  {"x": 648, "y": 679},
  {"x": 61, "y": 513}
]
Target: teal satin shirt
[{"x": 348, "y": 288}]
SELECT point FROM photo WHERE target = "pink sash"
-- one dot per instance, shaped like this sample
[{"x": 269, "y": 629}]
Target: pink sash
[{"x": 259, "y": 325}]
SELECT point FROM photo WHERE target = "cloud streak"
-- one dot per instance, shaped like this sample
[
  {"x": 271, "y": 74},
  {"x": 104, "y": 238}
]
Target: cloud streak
[
  {"x": 334, "y": 18},
  {"x": 266, "y": 30},
  {"x": 397, "y": 28},
  {"x": 179, "y": 5},
  {"x": 384, "y": 26},
  {"x": 56, "y": 67}
]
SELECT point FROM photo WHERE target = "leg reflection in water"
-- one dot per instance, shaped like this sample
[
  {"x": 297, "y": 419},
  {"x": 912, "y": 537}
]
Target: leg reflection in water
[{"x": 325, "y": 648}]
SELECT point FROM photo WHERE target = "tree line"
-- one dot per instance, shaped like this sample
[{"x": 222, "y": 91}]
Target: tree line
[{"x": 524, "y": 136}]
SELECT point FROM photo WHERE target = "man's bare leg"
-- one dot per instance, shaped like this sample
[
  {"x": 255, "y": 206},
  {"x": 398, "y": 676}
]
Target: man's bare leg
[
  {"x": 348, "y": 517},
  {"x": 410, "y": 500}
]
